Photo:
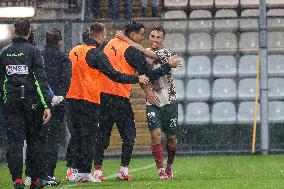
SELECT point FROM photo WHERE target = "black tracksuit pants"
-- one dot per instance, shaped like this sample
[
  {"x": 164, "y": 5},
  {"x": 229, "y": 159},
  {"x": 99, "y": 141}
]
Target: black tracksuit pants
[
  {"x": 115, "y": 109},
  {"x": 24, "y": 121},
  {"x": 53, "y": 131},
  {"x": 72, "y": 141},
  {"x": 85, "y": 121}
]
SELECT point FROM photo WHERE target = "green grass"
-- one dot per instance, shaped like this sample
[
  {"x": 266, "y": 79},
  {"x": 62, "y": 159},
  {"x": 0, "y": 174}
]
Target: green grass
[{"x": 199, "y": 172}]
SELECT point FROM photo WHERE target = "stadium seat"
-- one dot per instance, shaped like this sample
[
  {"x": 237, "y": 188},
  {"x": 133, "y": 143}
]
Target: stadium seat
[
  {"x": 180, "y": 72},
  {"x": 199, "y": 66},
  {"x": 199, "y": 43},
  {"x": 224, "y": 89},
  {"x": 175, "y": 3},
  {"x": 224, "y": 66},
  {"x": 247, "y": 89},
  {"x": 275, "y": 3},
  {"x": 179, "y": 86},
  {"x": 225, "y": 42},
  {"x": 249, "y": 24},
  {"x": 197, "y": 113},
  {"x": 198, "y": 89},
  {"x": 175, "y": 42},
  {"x": 276, "y": 112},
  {"x": 248, "y": 42},
  {"x": 275, "y": 12},
  {"x": 248, "y": 66},
  {"x": 179, "y": 24},
  {"x": 180, "y": 114},
  {"x": 276, "y": 41},
  {"x": 249, "y": 3},
  {"x": 229, "y": 21},
  {"x": 276, "y": 88},
  {"x": 223, "y": 113},
  {"x": 246, "y": 112},
  {"x": 201, "y": 4},
  {"x": 276, "y": 65},
  {"x": 200, "y": 25},
  {"x": 226, "y": 3}
]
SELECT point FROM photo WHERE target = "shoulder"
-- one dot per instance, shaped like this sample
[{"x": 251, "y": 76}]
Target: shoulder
[{"x": 164, "y": 54}]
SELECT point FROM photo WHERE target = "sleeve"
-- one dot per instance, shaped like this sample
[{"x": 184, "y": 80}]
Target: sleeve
[
  {"x": 97, "y": 59},
  {"x": 65, "y": 78},
  {"x": 138, "y": 61},
  {"x": 40, "y": 78}
]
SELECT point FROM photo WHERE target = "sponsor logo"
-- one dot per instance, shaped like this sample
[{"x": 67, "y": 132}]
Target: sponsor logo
[
  {"x": 15, "y": 54},
  {"x": 17, "y": 69}
]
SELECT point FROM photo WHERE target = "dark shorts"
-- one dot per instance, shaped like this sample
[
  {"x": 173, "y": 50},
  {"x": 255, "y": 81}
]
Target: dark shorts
[{"x": 165, "y": 117}]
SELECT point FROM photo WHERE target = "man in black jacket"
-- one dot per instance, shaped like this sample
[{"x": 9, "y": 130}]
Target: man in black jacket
[
  {"x": 58, "y": 70},
  {"x": 26, "y": 100}
]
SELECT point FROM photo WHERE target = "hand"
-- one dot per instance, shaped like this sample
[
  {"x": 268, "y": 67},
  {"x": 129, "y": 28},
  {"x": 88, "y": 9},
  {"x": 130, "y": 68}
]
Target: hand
[
  {"x": 56, "y": 100},
  {"x": 151, "y": 97},
  {"x": 175, "y": 62},
  {"x": 120, "y": 35},
  {"x": 46, "y": 116},
  {"x": 143, "y": 79}
]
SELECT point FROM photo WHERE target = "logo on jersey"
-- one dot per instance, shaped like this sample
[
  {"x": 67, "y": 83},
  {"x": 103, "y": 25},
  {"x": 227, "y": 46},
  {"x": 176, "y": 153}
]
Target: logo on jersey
[{"x": 17, "y": 69}]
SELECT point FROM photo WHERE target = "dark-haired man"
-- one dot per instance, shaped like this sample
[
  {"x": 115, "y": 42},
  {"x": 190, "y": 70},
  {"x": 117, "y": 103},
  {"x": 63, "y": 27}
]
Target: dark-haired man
[
  {"x": 161, "y": 106},
  {"x": 115, "y": 103},
  {"x": 89, "y": 64},
  {"x": 58, "y": 70},
  {"x": 26, "y": 100}
]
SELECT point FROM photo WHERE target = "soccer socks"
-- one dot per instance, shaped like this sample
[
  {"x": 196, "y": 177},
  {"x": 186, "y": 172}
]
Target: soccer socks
[
  {"x": 124, "y": 169},
  {"x": 171, "y": 154},
  {"x": 157, "y": 151}
]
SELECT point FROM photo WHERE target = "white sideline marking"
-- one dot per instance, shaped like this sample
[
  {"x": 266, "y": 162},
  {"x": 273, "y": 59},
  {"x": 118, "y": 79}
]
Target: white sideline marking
[{"x": 111, "y": 176}]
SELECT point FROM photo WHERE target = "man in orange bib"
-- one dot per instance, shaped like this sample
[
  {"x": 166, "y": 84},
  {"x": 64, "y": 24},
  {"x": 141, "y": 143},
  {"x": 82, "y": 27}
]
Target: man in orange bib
[{"x": 115, "y": 103}]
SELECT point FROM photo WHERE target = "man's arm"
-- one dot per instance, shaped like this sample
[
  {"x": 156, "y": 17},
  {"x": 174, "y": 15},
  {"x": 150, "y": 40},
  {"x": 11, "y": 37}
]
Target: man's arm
[
  {"x": 40, "y": 78},
  {"x": 138, "y": 61},
  {"x": 97, "y": 59},
  {"x": 65, "y": 78}
]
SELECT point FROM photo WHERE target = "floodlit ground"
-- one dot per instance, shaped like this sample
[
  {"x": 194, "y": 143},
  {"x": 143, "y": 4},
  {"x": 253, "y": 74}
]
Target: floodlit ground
[{"x": 204, "y": 172}]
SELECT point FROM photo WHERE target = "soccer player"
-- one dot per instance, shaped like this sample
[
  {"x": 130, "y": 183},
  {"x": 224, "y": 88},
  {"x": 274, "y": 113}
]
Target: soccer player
[
  {"x": 26, "y": 99},
  {"x": 89, "y": 64},
  {"x": 115, "y": 103},
  {"x": 161, "y": 105}
]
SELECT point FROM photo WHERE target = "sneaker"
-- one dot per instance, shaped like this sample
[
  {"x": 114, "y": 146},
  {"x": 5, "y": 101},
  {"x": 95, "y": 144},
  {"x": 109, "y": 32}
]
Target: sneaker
[
  {"x": 122, "y": 176},
  {"x": 52, "y": 181},
  {"x": 28, "y": 181},
  {"x": 19, "y": 184},
  {"x": 169, "y": 172},
  {"x": 38, "y": 184},
  {"x": 162, "y": 174},
  {"x": 98, "y": 174},
  {"x": 71, "y": 174},
  {"x": 86, "y": 177}
]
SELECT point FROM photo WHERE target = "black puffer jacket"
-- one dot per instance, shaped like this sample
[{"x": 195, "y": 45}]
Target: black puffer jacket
[{"x": 58, "y": 69}]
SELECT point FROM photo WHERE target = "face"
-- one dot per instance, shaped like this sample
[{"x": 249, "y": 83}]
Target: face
[
  {"x": 138, "y": 37},
  {"x": 156, "y": 40}
]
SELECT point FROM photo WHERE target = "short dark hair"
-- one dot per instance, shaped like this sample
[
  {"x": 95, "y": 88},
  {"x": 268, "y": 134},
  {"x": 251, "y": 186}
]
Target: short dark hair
[
  {"x": 133, "y": 26},
  {"x": 96, "y": 29},
  {"x": 53, "y": 36},
  {"x": 159, "y": 29},
  {"x": 22, "y": 26}
]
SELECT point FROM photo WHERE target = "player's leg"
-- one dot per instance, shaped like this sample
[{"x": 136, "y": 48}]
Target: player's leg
[
  {"x": 170, "y": 120},
  {"x": 154, "y": 125}
]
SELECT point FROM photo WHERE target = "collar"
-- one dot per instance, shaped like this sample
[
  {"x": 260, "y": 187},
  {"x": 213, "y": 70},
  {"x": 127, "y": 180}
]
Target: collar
[
  {"x": 90, "y": 41},
  {"x": 20, "y": 39}
]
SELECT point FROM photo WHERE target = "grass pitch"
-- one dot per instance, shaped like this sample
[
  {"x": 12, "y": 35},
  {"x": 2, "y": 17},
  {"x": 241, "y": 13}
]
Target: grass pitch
[{"x": 197, "y": 172}]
